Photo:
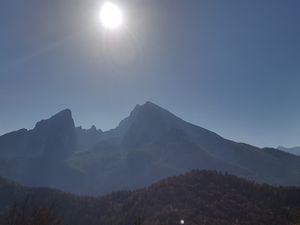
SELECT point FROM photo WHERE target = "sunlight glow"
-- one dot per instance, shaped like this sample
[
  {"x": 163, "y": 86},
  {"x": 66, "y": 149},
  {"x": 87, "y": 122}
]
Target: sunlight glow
[{"x": 111, "y": 15}]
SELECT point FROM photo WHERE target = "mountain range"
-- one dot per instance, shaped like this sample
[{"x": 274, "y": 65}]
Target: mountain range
[{"x": 147, "y": 146}]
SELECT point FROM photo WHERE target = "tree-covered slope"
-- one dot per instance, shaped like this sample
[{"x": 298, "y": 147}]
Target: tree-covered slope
[{"x": 198, "y": 197}]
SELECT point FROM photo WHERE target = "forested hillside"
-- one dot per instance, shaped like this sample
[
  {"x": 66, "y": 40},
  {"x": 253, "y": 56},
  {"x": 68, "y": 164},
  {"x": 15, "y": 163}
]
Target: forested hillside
[{"x": 198, "y": 197}]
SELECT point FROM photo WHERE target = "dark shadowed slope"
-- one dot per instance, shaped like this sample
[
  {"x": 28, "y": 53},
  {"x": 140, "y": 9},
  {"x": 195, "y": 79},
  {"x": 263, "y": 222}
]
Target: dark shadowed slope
[{"x": 198, "y": 197}]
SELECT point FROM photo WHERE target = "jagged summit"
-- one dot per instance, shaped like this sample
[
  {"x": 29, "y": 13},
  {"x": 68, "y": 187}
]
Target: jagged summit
[
  {"x": 65, "y": 112},
  {"x": 93, "y": 129},
  {"x": 147, "y": 112},
  {"x": 63, "y": 118},
  {"x": 150, "y": 107}
]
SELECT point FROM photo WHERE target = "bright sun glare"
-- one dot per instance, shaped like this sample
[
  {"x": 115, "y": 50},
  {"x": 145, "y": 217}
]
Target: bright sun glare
[{"x": 111, "y": 15}]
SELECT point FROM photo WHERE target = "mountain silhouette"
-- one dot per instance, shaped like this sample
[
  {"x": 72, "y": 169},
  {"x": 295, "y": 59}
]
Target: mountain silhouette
[
  {"x": 149, "y": 145},
  {"x": 37, "y": 157},
  {"x": 53, "y": 137}
]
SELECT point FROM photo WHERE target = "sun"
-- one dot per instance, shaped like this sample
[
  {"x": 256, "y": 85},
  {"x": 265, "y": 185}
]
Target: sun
[{"x": 111, "y": 15}]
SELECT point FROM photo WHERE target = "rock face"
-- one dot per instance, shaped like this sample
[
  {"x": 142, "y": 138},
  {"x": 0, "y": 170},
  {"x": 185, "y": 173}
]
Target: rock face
[
  {"x": 55, "y": 138},
  {"x": 147, "y": 146},
  {"x": 52, "y": 139},
  {"x": 37, "y": 157}
]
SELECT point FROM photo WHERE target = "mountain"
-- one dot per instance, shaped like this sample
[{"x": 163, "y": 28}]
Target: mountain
[
  {"x": 50, "y": 138},
  {"x": 198, "y": 197},
  {"x": 37, "y": 157},
  {"x": 149, "y": 145},
  {"x": 152, "y": 144},
  {"x": 294, "y": 150}
]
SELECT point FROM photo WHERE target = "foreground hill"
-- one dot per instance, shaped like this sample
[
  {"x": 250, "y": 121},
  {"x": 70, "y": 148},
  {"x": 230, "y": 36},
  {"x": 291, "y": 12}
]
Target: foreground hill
[
  {"x": 149, "y": 145},
  {"x": 198, "y": 197}
]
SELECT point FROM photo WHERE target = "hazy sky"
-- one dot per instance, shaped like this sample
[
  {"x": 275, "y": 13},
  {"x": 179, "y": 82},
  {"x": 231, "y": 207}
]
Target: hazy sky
[{"x": 230, "y": 66}]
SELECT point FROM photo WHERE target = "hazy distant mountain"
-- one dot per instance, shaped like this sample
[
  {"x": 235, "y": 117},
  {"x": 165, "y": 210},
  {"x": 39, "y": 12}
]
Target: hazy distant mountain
[
  {"x": 199, "y": 197},
  {"x": 294, "y": 150},
  {"x": 147, "y": 146}
]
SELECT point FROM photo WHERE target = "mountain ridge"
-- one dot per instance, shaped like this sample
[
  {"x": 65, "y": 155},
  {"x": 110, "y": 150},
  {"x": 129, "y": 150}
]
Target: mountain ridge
[{"x": 148, "y": 145}]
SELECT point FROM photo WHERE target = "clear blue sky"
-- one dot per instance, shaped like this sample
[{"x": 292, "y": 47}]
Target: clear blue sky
[{"x": 230, "y": 66}]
